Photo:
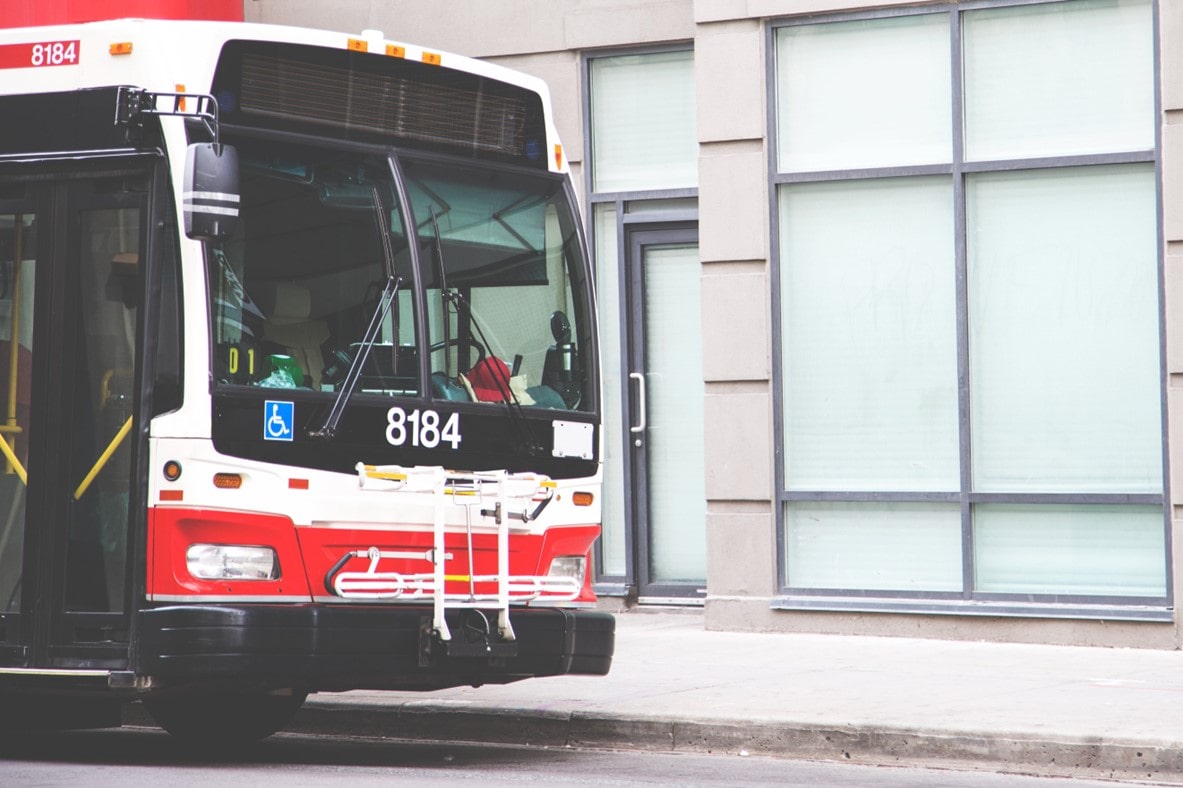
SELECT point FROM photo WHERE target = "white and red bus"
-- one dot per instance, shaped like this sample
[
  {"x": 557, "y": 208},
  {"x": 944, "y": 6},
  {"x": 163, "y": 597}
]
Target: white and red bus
[{"x": 299, "y": 375}]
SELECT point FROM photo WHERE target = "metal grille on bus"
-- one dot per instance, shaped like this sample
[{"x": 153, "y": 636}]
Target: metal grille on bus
[{"x": 384, "y": 103}]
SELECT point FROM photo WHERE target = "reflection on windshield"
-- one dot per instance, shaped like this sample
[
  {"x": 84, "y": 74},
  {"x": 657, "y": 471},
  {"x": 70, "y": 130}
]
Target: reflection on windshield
[
  {"x": 503, "y": 264},
  {"x": 293, "y": 290}
]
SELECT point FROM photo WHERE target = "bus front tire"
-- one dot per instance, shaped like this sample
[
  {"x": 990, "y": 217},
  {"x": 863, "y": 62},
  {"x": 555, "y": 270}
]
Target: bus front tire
[{"x": 224, "y": 718}]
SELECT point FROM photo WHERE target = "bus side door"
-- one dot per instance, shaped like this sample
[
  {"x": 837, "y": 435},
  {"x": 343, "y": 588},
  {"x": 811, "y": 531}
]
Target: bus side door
[{"x": 72, "y": 253}]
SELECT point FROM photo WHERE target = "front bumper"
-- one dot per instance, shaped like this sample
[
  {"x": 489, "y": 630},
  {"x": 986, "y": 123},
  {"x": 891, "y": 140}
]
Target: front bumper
[{"x": 342, "y": 647}]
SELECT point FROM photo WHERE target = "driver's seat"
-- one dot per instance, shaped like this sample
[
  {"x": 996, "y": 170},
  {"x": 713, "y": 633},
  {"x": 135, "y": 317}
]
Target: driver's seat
[
  {"x": 291, "y": 326},
  {"x": 443, "y": 388}
]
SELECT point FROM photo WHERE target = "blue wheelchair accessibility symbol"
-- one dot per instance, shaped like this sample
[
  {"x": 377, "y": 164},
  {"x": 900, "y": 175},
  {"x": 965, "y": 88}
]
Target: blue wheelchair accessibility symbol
[{"x": 279, "y": 420}]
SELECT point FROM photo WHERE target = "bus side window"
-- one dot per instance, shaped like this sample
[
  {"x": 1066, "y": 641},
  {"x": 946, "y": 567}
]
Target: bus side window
[{"x": 166, "y": 388}]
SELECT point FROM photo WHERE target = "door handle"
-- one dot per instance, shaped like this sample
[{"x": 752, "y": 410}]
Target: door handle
[{"x": 640, "y": 425}]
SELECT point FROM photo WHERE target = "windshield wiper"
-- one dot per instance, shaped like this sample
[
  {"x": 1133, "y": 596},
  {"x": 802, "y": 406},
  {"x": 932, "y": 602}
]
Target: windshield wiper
[
  {"x": 520, "y": 425},
  {"x": 445, "y": 294},
  {"x": 329, "y": 429}
]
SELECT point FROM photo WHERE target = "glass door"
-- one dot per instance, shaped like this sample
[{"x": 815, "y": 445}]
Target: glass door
[
  {"x": 70, "y": 286},
  {"x": 19, "y": 223},
  {"x": 665, "y": 413}
]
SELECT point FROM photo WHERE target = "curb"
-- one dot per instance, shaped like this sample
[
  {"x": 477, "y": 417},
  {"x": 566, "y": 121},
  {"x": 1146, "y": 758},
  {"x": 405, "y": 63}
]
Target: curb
[
  {"x": 1010, "y": 753},
  {"x": 1095, "y": 758}
]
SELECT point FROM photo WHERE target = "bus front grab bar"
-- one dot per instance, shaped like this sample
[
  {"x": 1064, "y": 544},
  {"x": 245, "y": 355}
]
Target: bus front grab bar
[
  {"x": 103, "y": 458},
  {"x": 6, "y": 450}
]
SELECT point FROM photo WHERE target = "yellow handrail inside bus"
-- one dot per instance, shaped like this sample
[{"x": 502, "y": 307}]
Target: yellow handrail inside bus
[
  {"x": 102, "y": 460},
  {"x": 105, "y": 384},
  {"x": 13, "y": 463}
]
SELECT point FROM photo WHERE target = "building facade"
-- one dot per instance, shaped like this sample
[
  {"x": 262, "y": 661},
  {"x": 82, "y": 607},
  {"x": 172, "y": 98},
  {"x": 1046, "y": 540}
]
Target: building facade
[{"x": 890, "y": 296}]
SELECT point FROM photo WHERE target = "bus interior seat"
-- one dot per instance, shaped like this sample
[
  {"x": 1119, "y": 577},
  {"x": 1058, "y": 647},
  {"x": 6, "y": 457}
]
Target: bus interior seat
[
  {"x": 482, "y": 384},
  {"x": 290, "y": 325},
  {"x": 444, "y": 388},
  {"x": 546, "y": 397}
]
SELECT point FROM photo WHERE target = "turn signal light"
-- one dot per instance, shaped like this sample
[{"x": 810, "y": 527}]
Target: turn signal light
[
  {"x": 227, "y": 481},
  {"x": 583, "y": 499},
  {"x": 172, "y": 470},
  {"x": 120, "y": 48}
]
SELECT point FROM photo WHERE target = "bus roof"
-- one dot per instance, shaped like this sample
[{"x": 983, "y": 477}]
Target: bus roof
[
  {"x": 163, "y": 56},
  {"x": 160, "y": 54}
]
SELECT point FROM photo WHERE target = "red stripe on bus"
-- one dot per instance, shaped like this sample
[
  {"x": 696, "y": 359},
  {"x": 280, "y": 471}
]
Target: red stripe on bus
[{"x": 40, "y": 54}]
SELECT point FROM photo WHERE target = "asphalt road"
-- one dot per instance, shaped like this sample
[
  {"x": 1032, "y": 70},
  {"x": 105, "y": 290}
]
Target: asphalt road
[{"x": 134, "y": 757}]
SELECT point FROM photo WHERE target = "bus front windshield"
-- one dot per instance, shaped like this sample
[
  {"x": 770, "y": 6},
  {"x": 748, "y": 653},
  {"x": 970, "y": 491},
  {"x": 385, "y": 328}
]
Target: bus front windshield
[{"x": 498, "y": 307}]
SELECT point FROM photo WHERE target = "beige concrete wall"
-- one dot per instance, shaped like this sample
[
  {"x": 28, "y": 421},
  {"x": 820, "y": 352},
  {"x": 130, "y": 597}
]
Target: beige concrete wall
[
  {"x": 729, "y": 76},
  {"x": 349, "y": 16},
  {"x": 721, "y": 10},
  {"x": 732, "y": 201},
  {"x": 737, "y": 329},
  {"x": 740, "y": 564},
  {"x": 479, "y": 28},
  {"x": 749, "y": 614}
]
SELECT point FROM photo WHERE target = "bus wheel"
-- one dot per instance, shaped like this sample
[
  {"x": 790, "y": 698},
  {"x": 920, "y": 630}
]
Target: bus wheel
[{"x": 224, "y": 718}]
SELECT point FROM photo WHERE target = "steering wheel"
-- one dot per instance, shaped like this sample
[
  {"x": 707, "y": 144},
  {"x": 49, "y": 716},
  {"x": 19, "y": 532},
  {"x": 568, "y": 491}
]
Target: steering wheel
[{"x": 460, "y": 341}]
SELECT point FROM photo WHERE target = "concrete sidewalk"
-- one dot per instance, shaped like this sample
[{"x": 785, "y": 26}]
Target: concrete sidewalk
[{"x": 1051, "y": 710}]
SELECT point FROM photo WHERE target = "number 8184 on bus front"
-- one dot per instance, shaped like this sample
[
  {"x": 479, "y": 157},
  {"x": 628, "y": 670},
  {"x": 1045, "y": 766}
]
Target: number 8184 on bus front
[{"x": 421, "y": 428}]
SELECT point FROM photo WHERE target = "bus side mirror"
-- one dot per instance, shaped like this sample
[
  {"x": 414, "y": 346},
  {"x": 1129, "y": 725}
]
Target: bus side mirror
[{"x": 211, "y": 191}]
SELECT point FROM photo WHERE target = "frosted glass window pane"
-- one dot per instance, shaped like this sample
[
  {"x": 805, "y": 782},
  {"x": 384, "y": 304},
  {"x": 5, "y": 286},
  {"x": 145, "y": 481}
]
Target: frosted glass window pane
[
  {"x": 869, "y": 335},
  {"x": 644, "y": 134},
  {"x": 886, "y": 547},
  {"x": 1059, "y": 79},
  {"x": 608, "y": 288},
  {"x": 864, "y": 94},
  {"x": 675, "y": 394},
  {"x": 1064, "y": 330},
  {"x": 1105, "y": 550}
]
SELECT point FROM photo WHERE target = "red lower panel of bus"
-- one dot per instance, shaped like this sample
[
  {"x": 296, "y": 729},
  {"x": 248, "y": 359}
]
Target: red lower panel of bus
[
  {"x": 59, "y": 12},
  {"x": 172, "y": 531},
  {"x": 310, "y": 559}
]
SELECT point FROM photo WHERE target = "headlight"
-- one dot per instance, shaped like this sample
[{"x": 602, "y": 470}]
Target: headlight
[
  {"x": 572, "y": 566},
  {"x": 232, "y": 562}
]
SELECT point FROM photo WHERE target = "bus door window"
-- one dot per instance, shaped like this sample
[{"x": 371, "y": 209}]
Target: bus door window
[
  {"x": 168, "y": 364},
  {"x": 18, "y": 244},
  {"x": 109, "y": 286},
  {"x": 501, "y": 252},
  {"x": 294, "y": 289}
]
